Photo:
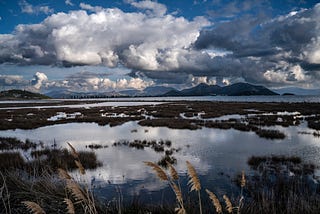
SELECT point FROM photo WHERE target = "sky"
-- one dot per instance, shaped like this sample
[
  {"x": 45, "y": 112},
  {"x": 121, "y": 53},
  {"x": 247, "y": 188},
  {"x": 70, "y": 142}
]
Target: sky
[{"x": 107, "y": 45}]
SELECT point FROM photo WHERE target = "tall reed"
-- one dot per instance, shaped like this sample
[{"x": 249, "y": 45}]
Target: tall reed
[{"x": 194, "y": 182}]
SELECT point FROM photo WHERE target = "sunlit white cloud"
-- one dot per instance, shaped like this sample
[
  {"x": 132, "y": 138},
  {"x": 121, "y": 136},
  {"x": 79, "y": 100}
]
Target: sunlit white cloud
[
  {"x": 155, "y": 44},
  {"x": 106, "y": 36},
  {"x": 88, "y": 81},
  {"x": 38, "y": 80}
]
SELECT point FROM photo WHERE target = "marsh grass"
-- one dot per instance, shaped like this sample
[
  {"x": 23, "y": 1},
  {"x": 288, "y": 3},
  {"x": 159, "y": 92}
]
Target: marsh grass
[
  {"x": 270, "y": 134},
  {"x": 173, "y": 180},
  {"x": 11, "y": 160},
  {"x": 282, "y": 184},
  {"x": 10, "y": 143},
  {"x": 270, "y": 190}
]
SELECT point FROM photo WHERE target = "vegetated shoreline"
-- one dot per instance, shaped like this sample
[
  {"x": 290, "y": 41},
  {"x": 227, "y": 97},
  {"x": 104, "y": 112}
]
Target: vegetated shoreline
[
  {"x": 255, "y": 117},
  {"x": 277, "y": 184},
  {"x": 271, "y": 189}
]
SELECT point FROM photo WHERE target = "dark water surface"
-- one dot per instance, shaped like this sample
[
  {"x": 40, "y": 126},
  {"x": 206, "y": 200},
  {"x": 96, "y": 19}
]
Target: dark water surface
[{"x": 218, "y": 155}]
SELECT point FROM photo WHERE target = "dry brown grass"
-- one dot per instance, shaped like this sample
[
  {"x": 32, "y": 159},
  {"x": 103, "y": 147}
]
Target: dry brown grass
[
  {"x": 33, "y": 207},
  {"x": 243, "y": 180},
  {"x": 82, "y": 195},
  {"x": 63, "y": 174},
  {"x": 194, "y": 181},
  {"x": 70, "y": 206},
  {"x": 215, "y": 201},
  {"x": 173, "y": 171},
  {"x": 178, "y": 193},
  {"x": 80, "y": 167},
  {"x": 229, "y": 206},
  {"x": 76, "y": 191},
  {"x": 74, "y": 152},
  {"x": 160, "y": 172}
]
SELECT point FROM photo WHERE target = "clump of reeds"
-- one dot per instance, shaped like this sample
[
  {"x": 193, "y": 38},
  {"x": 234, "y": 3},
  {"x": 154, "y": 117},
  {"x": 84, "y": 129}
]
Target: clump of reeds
[
  {"x": 215, "y": 201},
  {"x": 81, "y": 195},
  {"x": 76, "y": 194},
  {"x": 194, "y": 182},
  {"x": 173, "y": 180}
]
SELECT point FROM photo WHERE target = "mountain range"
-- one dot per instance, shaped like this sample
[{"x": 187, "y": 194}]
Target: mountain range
[
  {"x": 237, "y": 89},
  {"x": 297, "y": 91}
]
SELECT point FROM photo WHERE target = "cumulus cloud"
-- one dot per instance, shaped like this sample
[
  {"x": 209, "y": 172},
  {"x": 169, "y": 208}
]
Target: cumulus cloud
[
  {"x": 38, "y": 80},
  {"x": 30, "y": 9},
  {"x": 106, "y": 36},
  {"x": 12, "y": 80},
  {"x": 249, "y": 46},
  {"x": 88, "y": 81}
]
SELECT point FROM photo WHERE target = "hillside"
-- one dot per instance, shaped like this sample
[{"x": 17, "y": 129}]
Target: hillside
[
  {"x": 237, "y": 89},
  {"x": 21, "y": 95}
]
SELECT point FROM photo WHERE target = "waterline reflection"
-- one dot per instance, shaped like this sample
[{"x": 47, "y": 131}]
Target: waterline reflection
[{"x": 216, "y": 154}]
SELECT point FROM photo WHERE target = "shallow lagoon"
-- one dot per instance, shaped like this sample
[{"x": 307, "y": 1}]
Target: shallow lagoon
[{"x": 218, "y": 155}]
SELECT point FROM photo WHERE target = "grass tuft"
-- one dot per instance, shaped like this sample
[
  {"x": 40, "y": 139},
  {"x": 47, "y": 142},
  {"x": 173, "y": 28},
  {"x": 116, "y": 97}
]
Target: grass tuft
[
  {"x": 215, "y": 201},
  {"x": 160, "y": 172},
  {"x": 33, "y": 207}
]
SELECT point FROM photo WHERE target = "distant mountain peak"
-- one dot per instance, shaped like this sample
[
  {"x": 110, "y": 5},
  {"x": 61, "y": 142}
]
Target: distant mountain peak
[{"x": 236, "y": 89}]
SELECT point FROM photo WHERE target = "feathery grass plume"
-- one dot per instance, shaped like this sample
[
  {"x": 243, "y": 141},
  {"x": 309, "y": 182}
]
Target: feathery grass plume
[
  {"x": 34, "y": 207},
  {"x": 76, "y": 191},
  {"x": 161, "y": 174},
  {"x": 194, "y": 180},
  {"x": 63, "y": 174},
  {"x": 177, "y": 192},
  {"x": 180, "y": 210},
  {"x": 173, "y": 172},
  {"x": 215, "y": 201},
  {"x": 80, "y": 167},
  {"x": 74, "y": 152},
  {"x": 70, "y": 207},
  {"x": 243, "y": 179},
  {"x": 229, "y": 206}
]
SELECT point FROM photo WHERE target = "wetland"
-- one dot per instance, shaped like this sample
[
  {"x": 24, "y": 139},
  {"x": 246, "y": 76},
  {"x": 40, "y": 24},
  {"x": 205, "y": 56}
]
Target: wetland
[{"x": 219, "y": 139}]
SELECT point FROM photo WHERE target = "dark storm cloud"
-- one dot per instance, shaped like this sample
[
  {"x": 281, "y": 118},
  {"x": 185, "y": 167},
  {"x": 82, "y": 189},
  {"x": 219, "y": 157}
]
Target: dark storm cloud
[{"x": 277, "y": 46}]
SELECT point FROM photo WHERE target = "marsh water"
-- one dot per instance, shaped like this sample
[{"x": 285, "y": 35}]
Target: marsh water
[{"x": 218, "y": 155}]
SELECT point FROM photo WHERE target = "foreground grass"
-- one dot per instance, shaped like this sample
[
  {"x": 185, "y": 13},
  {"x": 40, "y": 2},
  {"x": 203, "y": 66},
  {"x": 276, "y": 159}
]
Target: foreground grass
[{"x": 277, "y": 184}]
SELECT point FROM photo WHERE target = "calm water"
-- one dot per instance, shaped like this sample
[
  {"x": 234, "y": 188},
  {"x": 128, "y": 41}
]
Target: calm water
[
  {"x": 157, "y": 100},
  {"x": 216, "y": 154}
]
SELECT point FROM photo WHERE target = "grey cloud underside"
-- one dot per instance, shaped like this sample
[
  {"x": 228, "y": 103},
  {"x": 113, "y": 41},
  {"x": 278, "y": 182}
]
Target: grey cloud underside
[
  {"x": 168, "y": 49},
  {"x": 277, "y": 45}
]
